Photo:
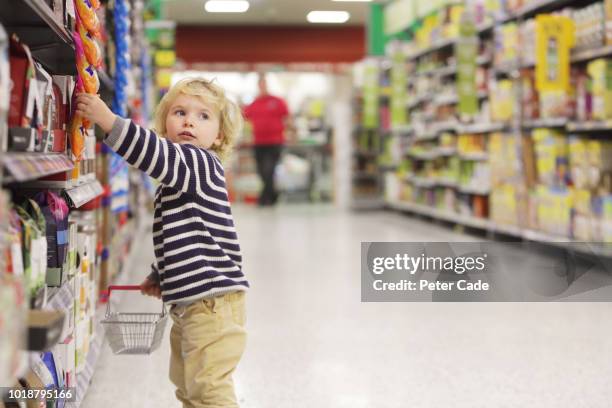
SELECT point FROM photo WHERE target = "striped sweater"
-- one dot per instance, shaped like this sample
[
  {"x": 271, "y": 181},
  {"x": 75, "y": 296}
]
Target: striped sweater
[{"x": 196, "y": 246}]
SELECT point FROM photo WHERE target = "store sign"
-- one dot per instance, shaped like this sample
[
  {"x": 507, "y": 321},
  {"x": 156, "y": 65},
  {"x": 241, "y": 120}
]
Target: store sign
[
  {"x": 554, "y": 39},
  {"x": 398, "y": 90},
  {"x": 466, "y": 52},
  {"x": 371, "y": 91}
]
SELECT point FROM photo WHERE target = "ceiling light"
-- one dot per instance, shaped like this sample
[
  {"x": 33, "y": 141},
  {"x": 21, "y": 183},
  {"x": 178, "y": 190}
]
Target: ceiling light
[
  {"x": 318, "y": 16},
  {"x": 226, "y": 6}
]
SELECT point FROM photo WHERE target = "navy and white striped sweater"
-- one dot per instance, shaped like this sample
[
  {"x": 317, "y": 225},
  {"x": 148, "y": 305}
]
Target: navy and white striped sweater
[{"x": 196, "y": 246}]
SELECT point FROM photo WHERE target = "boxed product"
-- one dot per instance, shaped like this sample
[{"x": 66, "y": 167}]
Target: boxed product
[
  {"x": 584, "y": 102},
  {"x": 502, "y": 101},
  {"x": 504, "y": 205},
  {"x": 608, "y": 20},
  {"x": 600, "y": 74},
  {"x": 551, "y": 152},
  {"x": 554, "y": 206}
]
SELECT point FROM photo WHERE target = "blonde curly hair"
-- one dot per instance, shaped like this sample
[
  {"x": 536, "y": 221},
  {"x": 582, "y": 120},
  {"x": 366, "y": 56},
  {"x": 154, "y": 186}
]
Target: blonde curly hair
[{"x": 230, "y": 115}]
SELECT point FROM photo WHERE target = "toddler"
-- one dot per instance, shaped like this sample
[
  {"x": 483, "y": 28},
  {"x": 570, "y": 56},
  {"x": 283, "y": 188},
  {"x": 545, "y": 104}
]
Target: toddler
[{"x": 198, "y": 269}]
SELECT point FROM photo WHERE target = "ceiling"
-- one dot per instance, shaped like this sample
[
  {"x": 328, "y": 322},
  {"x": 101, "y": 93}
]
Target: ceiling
[{"x": 261, "y": 12}]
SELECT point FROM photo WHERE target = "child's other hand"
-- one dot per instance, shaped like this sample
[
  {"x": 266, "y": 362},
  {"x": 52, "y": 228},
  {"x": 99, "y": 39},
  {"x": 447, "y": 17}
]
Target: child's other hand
[
  {"x": 150, "y": 288},
  {"x": 91, "y": 107}
]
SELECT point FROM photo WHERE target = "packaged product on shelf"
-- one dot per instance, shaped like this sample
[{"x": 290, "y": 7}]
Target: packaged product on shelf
[
  {"x": 5, "y": 88},
  {"x": 22, "y": 72},
  {"x": 13, "y": 307},
  {"x": 552, "y": 160},
  {"x": 579, "y": 163},
  {"x": 530, "y": 99},
  {"x": 503, "y": 204},
  {"x": 502, "y": 100},
  {"x": 599, "y": 156},
  {"x": 506, "y": 44},
  {"x": 600, "y": 71},
  {"x": 584, "y": 104},
  {"x": 34, "y": 246},
  {"x": 55, "y": 210},
  {"x": 590, "y": 26},
  {"x": 556, "y": 103},
  {"x": 608, "y": 21},
  {"x": 554, "y": 206},
  {"x": 582, "y": 214}
]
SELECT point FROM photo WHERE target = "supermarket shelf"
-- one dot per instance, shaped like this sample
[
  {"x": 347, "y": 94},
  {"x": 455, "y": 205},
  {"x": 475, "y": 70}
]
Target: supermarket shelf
[
  {"x": 414, "y": 102},
  {"x": 421, "y": 182},
  {"x": 365, "y": 176},
  {"x": 446, "y": 99},
  {"x": 402, "y": 130},
  {"x": 448, "y": 42},
  {"x": 429, "y": 155},
  {"x": 474, "y": 190},
  {"x": 61, "y": 298},
  {"x": 450, "y": 70},
  {"x": 482, "y": 128},
  {"x": 38, "y": 27},
  {"x": 84, "y": 378},
  {"x": 437, "y": 46},
  {"x": 510, "y": 230},
  {"x": 478, "y": 156},
  {"x": 589, "y": 126},
  {"x": 534, "y": 7},
  {"x": 365, "y": 154},
  {"x": 446, "y": 151},
  {"x": 587, "y": 55},
  {"x": 545, "y": 123},
  {"x": 450, "y": 125},
  {"x": 427, "y": 136},
  {"x": 84, "y": 193},
  {"x": 440, "y": 214},
  {"x": 388, "y": 167},
  {"x": 30, "y": 166},
  {"x": 454, "y": 98},
  {"x": 445, "y": 182}
]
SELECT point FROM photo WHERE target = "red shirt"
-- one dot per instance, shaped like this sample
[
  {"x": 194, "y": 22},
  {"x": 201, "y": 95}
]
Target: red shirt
[{"x": 267, "y": 114}]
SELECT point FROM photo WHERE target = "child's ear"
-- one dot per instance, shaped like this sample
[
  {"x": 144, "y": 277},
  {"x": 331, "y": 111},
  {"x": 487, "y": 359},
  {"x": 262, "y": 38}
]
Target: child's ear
[{"x": 218, "y": 140}]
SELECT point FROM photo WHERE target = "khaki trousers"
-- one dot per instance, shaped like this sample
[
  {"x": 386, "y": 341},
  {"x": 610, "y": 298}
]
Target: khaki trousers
[{"x": 207, "y": 340}]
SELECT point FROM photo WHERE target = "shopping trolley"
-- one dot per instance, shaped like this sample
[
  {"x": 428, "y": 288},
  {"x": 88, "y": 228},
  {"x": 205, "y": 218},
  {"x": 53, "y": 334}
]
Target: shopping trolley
[{"x": 133, "y": 333}]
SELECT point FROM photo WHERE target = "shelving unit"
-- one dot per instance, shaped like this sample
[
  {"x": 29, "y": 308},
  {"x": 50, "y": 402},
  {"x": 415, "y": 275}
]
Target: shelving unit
[
  {"x": 423, "y": 175},
  {"x": 36, "y": 25},
  {"x": 100, "y": 237}
]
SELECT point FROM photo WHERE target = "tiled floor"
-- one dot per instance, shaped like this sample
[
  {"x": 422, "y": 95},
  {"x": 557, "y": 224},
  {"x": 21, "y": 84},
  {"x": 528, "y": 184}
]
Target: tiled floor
[{"x": 313, "y": 344}]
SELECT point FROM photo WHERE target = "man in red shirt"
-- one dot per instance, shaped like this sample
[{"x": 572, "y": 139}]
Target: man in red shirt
[{"x": 269, "y": 116}]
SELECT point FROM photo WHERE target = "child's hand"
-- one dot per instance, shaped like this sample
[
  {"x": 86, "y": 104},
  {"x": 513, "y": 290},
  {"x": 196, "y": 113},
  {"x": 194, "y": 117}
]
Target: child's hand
[
  {"x": 150, "y": 288},
  {"x": 91, "y": 107}
]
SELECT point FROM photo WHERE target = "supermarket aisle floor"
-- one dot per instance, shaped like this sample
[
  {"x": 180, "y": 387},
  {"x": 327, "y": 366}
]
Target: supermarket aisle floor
[{"x": 313, "y": 344}]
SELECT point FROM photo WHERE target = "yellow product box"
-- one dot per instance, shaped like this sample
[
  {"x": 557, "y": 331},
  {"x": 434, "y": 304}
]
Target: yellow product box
[
  {"x": 600, "y": 72},
  {"x": 599, "y": 154},
  {"x": 504, "y": 205},
  {"x": 580, "y": 176},
  {"x": 578, "y": 151},
  {"x": 581, "y": 201},
  {"x": 502, "y": 101}
]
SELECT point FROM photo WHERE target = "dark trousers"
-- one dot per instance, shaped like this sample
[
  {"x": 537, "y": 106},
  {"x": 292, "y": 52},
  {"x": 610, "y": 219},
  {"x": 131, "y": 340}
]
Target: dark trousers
[{"x": 267, "y": 157}]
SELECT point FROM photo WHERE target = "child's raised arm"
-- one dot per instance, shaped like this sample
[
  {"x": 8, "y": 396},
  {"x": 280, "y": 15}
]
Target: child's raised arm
[{"x": 184, "y": 167}]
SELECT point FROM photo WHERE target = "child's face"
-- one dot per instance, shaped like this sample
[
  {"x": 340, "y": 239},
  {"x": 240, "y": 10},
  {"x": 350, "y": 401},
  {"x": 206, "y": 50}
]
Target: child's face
[{"x": 191, "y": 120}]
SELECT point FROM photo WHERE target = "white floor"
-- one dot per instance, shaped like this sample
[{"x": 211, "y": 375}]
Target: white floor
[{"x": 313, "y": 344}]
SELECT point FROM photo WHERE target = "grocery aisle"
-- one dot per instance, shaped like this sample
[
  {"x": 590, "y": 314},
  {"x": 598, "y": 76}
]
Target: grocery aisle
[{"x": 314, "y": 344}]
